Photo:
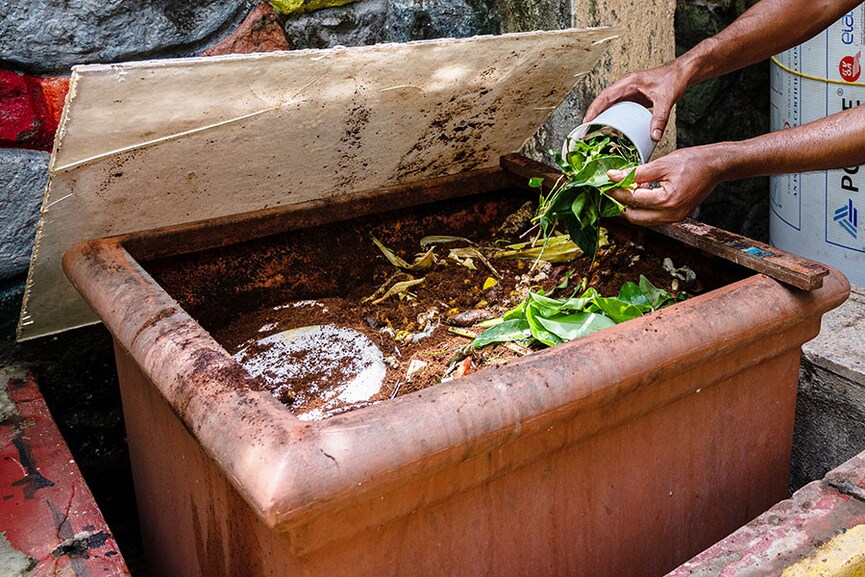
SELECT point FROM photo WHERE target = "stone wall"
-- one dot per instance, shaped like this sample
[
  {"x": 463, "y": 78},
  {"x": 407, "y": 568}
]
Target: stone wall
[{"x": 734, "y": 107}]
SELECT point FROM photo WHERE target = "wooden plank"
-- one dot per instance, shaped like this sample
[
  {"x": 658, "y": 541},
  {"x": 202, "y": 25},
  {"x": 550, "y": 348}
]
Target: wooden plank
[
  {"x": 775, "y": 263},
  {"x": 147, "y": 145},
  {"x": 51, "y": 522},
  {"x": 213, "y": 233}
]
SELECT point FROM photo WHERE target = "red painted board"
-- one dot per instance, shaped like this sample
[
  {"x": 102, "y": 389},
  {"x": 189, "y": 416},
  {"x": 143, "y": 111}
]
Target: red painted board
[{"x": 46, "y": 510}]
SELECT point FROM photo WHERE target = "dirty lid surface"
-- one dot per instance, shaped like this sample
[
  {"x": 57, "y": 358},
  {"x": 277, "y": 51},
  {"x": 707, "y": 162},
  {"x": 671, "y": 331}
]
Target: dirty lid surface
[{"x": 145, "y": 145}]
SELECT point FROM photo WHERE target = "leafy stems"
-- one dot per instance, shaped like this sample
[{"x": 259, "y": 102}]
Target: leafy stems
[{"x": 579, "y": 198}]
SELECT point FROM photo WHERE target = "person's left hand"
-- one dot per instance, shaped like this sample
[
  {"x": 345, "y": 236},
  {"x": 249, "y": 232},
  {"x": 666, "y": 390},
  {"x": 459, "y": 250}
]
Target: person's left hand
[{"x": 668, "y": 188}]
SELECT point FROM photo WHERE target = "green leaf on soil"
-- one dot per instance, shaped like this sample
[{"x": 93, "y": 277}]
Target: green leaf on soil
[
  {"x": 574, "y": 326},
  {"x": 555, "y": 320},
  {"x": 506, "y": 331}
]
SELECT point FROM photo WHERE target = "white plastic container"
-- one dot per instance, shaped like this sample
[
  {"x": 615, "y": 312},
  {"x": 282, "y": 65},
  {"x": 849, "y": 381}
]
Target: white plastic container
[
  {"x": 632, "y": 120},
  {"x": 816, "y": 214}
]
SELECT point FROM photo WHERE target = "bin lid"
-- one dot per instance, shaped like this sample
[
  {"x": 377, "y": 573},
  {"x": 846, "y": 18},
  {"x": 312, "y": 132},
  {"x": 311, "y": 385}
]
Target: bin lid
[{"x": 145, "y": 145}]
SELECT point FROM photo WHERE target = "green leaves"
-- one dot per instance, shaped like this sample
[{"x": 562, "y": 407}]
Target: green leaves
[
  {"x": 551, "y": 321},
  {"x": 580, "y": 198},
  {"x": 505, "y": 331}
]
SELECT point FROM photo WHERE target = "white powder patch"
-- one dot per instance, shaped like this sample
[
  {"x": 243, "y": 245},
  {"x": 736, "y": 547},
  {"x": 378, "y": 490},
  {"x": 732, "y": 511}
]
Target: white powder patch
[
  {"x": 338, "y": 366},
  {"x": 298, "y": 304},
  {"x": 268, "y": 327}
]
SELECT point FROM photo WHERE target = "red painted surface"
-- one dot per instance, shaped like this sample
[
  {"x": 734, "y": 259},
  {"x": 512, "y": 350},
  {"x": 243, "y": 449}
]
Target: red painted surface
[
  {"x": 54, "y": 90},
  {"x": 46, "y": 510},
  {"x": 30, "y": 109}
]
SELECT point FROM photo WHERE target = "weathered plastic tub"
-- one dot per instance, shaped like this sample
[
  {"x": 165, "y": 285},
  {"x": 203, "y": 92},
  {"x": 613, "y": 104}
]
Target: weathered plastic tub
[{"x": 623, "y": 453}]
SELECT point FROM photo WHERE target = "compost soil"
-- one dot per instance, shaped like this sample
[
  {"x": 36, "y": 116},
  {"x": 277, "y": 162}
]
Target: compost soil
[{"x": 416, "y": 333}]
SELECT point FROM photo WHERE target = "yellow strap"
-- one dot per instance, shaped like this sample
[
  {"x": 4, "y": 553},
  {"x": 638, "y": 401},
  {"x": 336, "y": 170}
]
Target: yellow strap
[{"x": 809, "y": 77}]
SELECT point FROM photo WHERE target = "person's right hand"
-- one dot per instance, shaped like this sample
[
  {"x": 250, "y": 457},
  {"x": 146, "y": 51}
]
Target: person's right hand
[
  {"x": 670, "y": 187},
  {"x": 657, "y": 88}
]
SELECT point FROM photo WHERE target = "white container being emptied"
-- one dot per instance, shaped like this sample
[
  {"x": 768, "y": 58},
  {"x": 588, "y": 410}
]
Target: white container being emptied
[
  {"x": 816, "y": 214},
  {"x": 631, "y": 120}
]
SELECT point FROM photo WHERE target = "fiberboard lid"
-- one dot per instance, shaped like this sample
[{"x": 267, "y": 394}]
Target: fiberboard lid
[{"x": 145, "y": 145}]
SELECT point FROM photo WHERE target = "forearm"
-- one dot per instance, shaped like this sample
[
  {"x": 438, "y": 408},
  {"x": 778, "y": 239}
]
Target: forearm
[
  {"x": 767, "y": 28},
  {"x": 837, "y": 141}
]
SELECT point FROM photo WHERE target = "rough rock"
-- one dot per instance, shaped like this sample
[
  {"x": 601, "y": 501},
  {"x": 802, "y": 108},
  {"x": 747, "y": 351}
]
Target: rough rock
[
  {"x": 39, "y": 36},
  {"x": 260, "y": 32},
  {"x": 358, "y": 24},
  {"x": 518, "y": 16},
  {"x": 23, "y": 176},
  {"x": 411, "y": 20},
  {"x": 375, "y": 21}
]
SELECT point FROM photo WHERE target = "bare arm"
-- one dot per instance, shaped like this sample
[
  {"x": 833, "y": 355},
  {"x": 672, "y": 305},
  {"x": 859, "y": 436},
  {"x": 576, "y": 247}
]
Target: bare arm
[
  {"x": 767, "y": 28},
  {"x": 686, "y": 176}
]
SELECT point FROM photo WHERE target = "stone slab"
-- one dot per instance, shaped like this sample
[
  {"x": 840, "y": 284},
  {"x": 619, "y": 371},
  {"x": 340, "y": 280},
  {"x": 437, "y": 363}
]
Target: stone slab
[
  {"x": 839, "y": 347},
  {"x": 830, "y": 412},
  {"x": 818, "y": 532},
  {"x": 23, "y": 177},
  {"x": 47, "y": 512}
]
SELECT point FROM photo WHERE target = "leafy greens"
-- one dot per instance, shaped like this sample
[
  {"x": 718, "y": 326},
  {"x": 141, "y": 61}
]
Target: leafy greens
[
  {"x": 550, "y": 321},
  {"x": 579, "y": 198}
]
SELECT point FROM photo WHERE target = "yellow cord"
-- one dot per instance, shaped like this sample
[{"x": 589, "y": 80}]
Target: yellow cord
[{"x": 817, "y": 78}]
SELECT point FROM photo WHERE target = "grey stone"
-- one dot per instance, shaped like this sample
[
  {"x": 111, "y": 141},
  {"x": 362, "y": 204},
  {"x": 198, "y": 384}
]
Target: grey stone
[
  {"x": 40, "y": 36},
  {"x": 425, "y": 19},
  {"x": 7, "y": 407},
  {"x": 14, "y": 563},
  {"x": 356, "y": 24},
  {"x": 839, "y": 347},
  {"x": 23, "y": 176},
  {"x": 375, "y": 21},
  {"x": 830, "y": 412}
]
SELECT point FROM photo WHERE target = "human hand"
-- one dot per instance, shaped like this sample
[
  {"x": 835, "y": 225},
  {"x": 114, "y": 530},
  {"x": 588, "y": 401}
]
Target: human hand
[
  {"x": 669, "y": 188},
  {"x": 657, "y": 88}
]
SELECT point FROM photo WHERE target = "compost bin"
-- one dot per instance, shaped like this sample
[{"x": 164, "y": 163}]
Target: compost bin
[{"x": 625, "y": 452}]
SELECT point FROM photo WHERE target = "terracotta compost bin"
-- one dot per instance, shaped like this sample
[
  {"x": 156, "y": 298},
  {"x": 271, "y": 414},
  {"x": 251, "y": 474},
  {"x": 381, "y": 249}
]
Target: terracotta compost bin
[
  {"x": 622, "y": 453},
  {"x": 221, "y": 187}
]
